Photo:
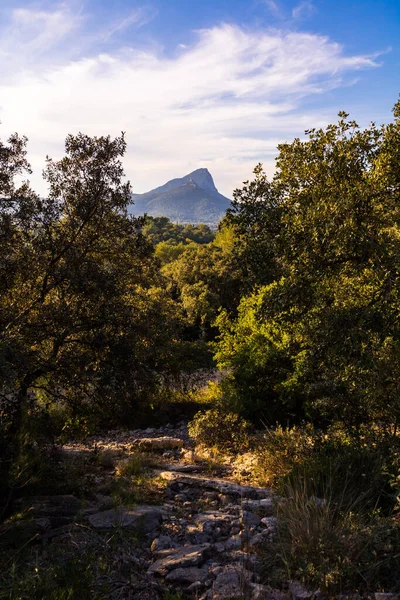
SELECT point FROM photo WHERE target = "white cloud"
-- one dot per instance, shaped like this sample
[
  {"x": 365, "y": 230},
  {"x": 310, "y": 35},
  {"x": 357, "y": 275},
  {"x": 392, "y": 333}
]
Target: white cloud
[
  {"x": 138, "y": 17},
  {"x": 224, "y": 102},
  {"x": 304, "y": 10},
  {"x": 274, "y": 8},
  {"x": 32, "y": 37}
]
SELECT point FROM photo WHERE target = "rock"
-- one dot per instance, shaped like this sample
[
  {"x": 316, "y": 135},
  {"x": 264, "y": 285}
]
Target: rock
[
  {"x": 214, "y": 522},
  {"x": 143, "y": 518},
  {"x": 299, "y": 592},
  {"x": 219, "y": 485},
  {"x": 260, "y": 592},
  {"x": 250, "y": 519},
  {"x": 263, "y": 507},
  {"x": 180, "y": 498},
  {"x": 385, "y": 596},
  {"x": 188, "y": 575},
  {"x": 233, "y": 543},
  {"x": 183, "y": 468},
  {"x": 184, "y": 557},
  {"x": 231, "y": 583},
  {"x": 258, "y": 539},
  {"x": 161, "y": 543},
  {"x": 158, "y": 444},
  {"x": 270, "y": 523},
  {"x": 210, "y": 496}
]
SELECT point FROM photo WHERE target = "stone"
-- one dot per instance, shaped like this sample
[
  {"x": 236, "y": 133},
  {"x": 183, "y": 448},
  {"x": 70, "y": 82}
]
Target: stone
[
  {"x": 210, "y": 522},
  {"x": 182, "y": 468},
  {"x": 146, "y": 519},
  {"x": 161, "y": 543},
  {"x": 219, "y": 485},
  {"x": 186, "y": 556},
  {"x": 233, "y": 543},
  {"x": 188, "y": 575},
  {"x": 299, "y": 592},
  {"x": 258, "y": 539},
  {"x": 158, "y": 444},
  {"x": 269, "y": 522},
  {"x": 263, "y": 507},
  {"x": 260, "y": 592},
  {"x": 385, "y": 596},
  {"x": 250, "y": 519},
  {"x": 229, "y": 584}
]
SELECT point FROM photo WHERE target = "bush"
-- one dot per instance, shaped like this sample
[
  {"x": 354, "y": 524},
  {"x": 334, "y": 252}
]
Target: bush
[
  {"x": 367, "y": 466},
  {"x": 136, "y": 465},
  {"x": 224, "y": 430},
  {"x": 330, "y": 544},
  {"x": 280, "y": 450}
]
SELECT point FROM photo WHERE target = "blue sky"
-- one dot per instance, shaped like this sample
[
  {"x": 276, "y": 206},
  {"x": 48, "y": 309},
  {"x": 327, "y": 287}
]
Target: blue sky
[{"x": 214, "y": 84}]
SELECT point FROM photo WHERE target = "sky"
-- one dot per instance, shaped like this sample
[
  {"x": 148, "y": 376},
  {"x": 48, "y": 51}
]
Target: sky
[{"x": 211, "y": 83}]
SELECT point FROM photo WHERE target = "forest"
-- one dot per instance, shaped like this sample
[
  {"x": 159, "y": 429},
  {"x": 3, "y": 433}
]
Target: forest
[{"x": 276, "y": 337}]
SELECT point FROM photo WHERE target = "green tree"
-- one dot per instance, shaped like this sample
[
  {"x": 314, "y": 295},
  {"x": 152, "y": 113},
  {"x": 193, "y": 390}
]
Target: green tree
[
  {"x": 161, "y": 229},
  {"x": 203, "y": 279},
  {"x": 322, "y": 240},
  {"x": 82, "y": 315}
]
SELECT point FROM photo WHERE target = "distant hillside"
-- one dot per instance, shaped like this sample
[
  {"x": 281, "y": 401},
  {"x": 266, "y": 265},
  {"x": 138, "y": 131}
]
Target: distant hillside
[{"x": 190, "y": 199}]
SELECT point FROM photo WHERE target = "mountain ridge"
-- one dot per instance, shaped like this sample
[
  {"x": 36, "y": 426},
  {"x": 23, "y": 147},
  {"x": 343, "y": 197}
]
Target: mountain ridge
[{"x": 192, "y": 198}]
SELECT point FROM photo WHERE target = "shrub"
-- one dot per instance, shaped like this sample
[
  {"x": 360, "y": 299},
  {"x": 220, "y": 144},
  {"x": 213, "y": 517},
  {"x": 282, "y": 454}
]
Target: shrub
[
  {"x": 366, "y": 466},
  {"x": 224, "y": 430},
  {"x": 136, "y": 465},
  {"x": 330, "y": 544},
  {"x": 280, "y": 449}
]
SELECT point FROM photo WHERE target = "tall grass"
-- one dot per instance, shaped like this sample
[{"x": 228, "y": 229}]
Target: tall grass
[{"x": 337, "y": 527}]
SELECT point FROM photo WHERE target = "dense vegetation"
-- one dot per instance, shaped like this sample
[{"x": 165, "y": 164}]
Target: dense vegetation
[{"x": 105, "y": 319}]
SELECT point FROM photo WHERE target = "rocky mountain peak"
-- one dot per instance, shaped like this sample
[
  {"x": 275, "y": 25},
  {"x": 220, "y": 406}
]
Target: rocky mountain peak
[{"x": 203, "y": 178}]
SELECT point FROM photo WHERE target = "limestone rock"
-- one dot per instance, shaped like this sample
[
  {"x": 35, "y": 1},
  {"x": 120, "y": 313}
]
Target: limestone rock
[
  {"x": 188, "y": 575},
  {"x": 231, "y": 583},
  {"x": 144, "y": 518},
  {"x": 299, "y": 592},
  {"x": 158, "y": 444},
  {"x": 228, "y": 488},
  {"x": 270, "y": 523},
  {"x": 161, "y": 543},
  {"x": 250, "y": 519},
  {"x": 184, "y": 557}
]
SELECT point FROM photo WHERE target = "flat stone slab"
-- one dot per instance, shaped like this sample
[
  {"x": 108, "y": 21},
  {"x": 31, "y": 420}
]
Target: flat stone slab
[
  {"x": 219, "y": 485},
  {"x": 228, "y": 584},
  {"x": 179, "y": 558},
  {"x": 264, "y": 507},
  {"x": 144, "y": 518},
  {"x": 158, "y": 444},
  {"x": 188, "y": 575},
  {"x": 183, "y": 468}
]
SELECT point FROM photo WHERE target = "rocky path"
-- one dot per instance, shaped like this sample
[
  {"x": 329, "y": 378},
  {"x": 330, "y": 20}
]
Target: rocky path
[{"x": 200, "y": 539}]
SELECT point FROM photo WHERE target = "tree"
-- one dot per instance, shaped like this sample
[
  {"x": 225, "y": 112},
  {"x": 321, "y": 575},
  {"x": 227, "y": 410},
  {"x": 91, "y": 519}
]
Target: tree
[
  {"x": 205, "y": 278},
  {"x": 82, "y": 315},
  {"x": 324, "y": 236}
]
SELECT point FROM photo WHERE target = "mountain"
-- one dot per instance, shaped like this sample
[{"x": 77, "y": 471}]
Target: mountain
[{"x": 190, "y": 199}]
